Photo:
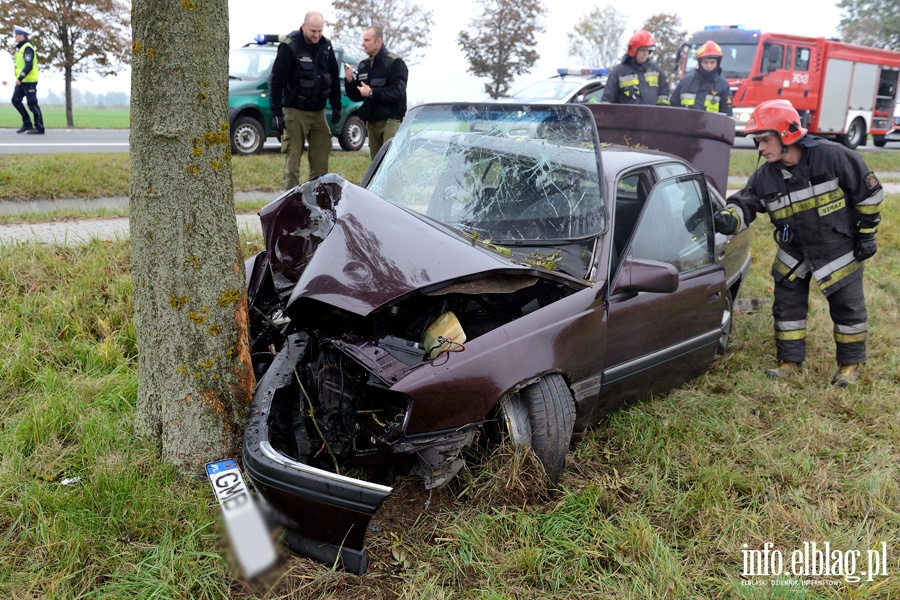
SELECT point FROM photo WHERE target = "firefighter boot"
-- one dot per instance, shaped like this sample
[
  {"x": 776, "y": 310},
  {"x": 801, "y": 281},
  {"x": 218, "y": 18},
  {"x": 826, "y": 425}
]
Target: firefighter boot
[
  {"x": 784, "y": 369},
  {"x": 846, "y": 376}
]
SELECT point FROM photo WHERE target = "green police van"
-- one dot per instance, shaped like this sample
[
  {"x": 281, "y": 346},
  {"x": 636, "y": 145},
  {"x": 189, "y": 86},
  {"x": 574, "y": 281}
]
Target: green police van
[{"x": 249, "y": 113}]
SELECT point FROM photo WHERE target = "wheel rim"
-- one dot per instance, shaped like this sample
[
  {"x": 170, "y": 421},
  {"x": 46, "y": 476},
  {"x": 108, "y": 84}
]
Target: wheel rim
[
  {"x": 246, "y": 139},
  {"x": 726, "y": 325},
  {"x": 855, "y": 133},
  {"x": 355, "y": 134}
]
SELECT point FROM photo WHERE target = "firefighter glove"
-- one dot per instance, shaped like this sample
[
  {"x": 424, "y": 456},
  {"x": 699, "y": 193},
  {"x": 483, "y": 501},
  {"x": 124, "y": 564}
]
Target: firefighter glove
[
  {"x": 725, "y": 222},
  {"x": 335, "y": 116},
  {"x": 278, "y": 123},
  {"x": 865, "y": 246}
]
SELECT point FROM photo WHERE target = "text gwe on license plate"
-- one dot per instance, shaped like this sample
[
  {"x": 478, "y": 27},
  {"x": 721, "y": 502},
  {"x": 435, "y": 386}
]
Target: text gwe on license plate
[{"x": 248, "y": 532}]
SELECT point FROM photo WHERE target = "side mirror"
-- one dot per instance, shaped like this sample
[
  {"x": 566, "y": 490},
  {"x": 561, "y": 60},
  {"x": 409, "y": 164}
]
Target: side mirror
[{"x": 641, "y": 275}]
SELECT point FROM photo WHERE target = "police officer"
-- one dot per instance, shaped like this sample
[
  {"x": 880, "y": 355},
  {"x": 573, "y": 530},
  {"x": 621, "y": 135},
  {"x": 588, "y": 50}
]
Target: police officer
[
  {"x": 304, "y": 75},
  {"x": 705, "y": 88},
  {"x": 825, "y": 205},
  {"x": 26, "y": 65},
  {"x": 381, "y": 86},
  {"x": 637, "y": 79}
]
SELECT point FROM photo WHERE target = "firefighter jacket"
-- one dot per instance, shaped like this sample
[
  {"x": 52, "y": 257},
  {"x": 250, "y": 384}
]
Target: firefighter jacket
[
  {"x": 304, "y": 75},
  {"x": 26, "y": 63},
  {"x": 704, "y": 90},
  {"x": 386, "y": 74},
  {"x": 818, "y": 207},
  {"x": 631, "y": 83}
]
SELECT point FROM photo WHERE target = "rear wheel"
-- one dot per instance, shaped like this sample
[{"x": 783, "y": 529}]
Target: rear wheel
[
  {"x": 542, "y": 415},
  {"x": 353, "y": 135},
  {"x": 247, "y": 136},
  {"x": 856, "y": 134}
]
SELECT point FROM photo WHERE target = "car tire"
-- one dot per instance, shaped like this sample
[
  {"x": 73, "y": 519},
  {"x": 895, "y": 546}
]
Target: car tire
[
  {"x": 247, "y": 136},
  {"x": 353, "y": 135},
  {"x": 879, "y": 141},
  {"x": 727, "y": 324},
  {"x": 856, "y": 134},
  {"x": 551, "y": 417}
]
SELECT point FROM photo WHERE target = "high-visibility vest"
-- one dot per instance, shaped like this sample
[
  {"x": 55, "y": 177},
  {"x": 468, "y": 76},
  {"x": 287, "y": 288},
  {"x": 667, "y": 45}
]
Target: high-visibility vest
[{"x": 20, "y": 63}]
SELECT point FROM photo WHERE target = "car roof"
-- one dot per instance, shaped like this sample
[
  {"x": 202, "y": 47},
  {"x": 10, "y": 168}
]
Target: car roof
[{"x": 617, "y": 159}]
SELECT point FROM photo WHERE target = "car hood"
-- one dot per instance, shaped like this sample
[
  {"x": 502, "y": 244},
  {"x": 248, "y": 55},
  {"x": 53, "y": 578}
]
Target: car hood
[{"x": 344, "y": 246}]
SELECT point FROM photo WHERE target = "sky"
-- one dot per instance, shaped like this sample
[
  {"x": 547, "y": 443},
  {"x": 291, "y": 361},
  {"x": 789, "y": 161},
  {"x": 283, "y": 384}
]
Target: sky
[{"x": 442, "y": 76}]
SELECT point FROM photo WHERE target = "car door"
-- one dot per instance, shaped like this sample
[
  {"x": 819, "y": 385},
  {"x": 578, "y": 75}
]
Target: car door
[{"x": 659, "y": 340}]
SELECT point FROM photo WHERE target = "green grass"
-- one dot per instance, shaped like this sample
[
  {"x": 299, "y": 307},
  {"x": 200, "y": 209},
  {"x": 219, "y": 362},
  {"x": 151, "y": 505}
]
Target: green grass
[
  {"x": 53, "y": 176},
  {"x": 83, "y": 118},
  {"x": 656, "y": 502}
]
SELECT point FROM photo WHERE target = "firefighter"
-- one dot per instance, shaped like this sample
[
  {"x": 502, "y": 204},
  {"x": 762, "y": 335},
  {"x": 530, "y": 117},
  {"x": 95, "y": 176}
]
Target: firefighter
[
  {"x": 825, "y": 205},
  {"x": 705, "y": 89},
  {"x": 637, "y": 79}
]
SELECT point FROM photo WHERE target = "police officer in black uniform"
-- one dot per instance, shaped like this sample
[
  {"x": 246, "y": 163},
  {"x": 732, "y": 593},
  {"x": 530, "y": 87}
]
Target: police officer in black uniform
[
  {"x": 26, "y": 65},
  {"x": 304, "y": 75},
  {"x": 381, "y": 86}
]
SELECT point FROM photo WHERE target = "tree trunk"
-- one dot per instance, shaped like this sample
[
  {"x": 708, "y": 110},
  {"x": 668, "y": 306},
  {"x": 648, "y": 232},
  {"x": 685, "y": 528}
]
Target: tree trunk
[
  {"x": 70, "y": 122},
  {"x": 188, "y": 274}
]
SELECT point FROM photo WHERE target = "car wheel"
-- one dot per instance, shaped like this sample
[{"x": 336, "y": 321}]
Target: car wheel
[
  {"x": 353, "y": 135},
  {"x": 856, "y": 134},
  {"x": 879, "y": 141},
  {"x": 727, "y": 322},
  {"x": 247, "y": 136},
  {"x": 542, "y": 415}
]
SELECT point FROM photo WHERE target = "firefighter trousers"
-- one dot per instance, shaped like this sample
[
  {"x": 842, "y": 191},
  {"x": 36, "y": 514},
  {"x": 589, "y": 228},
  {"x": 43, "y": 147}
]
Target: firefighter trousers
[{"x": 847, "y": 306}]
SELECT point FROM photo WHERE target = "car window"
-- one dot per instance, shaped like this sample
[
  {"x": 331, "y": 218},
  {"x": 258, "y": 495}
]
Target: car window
[
  {"x": 492, "y": 171},
  {"x": 631, "y": 193},
  {"x": 250, "y": 63},
  {"x": 676, "y": 224},
  {"x": 591, "y": 94},
  {"x": 667, "y": 170}
]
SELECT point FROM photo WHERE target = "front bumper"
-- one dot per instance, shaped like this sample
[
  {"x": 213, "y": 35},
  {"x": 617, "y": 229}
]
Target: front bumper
[{"x": 327, "y": 514}]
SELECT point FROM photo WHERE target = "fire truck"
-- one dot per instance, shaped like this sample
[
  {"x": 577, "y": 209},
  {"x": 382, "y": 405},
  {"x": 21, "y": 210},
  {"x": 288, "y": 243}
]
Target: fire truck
[{"x": 842, "y": 91}]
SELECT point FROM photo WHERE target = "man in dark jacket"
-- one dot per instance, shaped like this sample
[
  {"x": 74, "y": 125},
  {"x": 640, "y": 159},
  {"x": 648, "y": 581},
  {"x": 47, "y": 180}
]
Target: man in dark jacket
[
  {"x": 26, "y": 66},
  {"x": 305, "y": 74},
  {"x": 381, "y": 86},
  {"x": 637, "y": 79},
  {"x": 825, "y": 205},
  {"x": 705, "y": 88}
]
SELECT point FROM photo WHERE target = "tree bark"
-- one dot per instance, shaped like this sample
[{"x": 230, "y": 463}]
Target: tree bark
[{"x": 195, "y": 377}]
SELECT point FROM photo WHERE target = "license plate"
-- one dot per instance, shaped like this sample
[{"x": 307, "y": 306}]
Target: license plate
[{"x": 247, "y": 531}]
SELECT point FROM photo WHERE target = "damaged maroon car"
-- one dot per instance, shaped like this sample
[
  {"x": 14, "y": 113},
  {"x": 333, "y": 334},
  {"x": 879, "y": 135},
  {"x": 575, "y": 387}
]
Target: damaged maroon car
[{"x": 499, "y": 270}]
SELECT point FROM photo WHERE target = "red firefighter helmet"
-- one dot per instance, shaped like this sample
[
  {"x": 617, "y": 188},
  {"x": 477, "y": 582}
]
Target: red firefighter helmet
[
  {"x": 709, "y": 49},
  {"x": 778, "y": 116},
  {"x": 641, "y": 39}
]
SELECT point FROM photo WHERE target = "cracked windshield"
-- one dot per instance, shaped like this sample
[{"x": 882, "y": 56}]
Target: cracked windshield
[{"x": 512, "y": 175}]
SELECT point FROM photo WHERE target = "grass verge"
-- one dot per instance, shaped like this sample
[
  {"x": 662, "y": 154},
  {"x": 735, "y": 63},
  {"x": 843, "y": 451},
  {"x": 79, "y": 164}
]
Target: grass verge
[
  {"x": 657, "y": 502},
  {"x": 85, "y": 118}
]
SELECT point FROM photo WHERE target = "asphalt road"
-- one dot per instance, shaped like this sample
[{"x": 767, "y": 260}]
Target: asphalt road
[{"x": 84, "y": 140}]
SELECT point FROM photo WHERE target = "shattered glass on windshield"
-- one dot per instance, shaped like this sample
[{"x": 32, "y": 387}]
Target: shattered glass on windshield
[{"x": 514, "y": 175}]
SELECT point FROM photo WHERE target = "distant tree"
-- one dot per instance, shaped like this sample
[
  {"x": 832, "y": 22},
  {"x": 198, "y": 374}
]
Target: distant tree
[
  {"x": 874, "y": 23},
  {"x": 190, "y": 304},
  {"x": 597, "y": 38},
  {"x": 74, "y": 36},
  {"x": 670, "y": 35},
  {"x": 501, "y": 43},
  {"x": 407, "y": 27},
  {"x": 116, "y": 99}
]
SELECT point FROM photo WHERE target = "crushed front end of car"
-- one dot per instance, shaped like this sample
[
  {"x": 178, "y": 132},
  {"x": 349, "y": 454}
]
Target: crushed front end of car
[{"x": 388, "y": 323}]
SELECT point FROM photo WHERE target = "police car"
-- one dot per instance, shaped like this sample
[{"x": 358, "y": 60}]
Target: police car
[
  {"x": 249, "y": 112},
  {"x": 568, "y": 85}
]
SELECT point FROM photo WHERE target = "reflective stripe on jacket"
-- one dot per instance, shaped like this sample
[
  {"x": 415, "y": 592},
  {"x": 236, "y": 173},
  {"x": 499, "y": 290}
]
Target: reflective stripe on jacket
[{"x": 631, "y": 83}]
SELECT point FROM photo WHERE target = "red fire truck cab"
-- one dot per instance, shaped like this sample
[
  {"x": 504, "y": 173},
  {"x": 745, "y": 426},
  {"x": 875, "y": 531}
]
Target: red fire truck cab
[{"x": 842, "y": 91}]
